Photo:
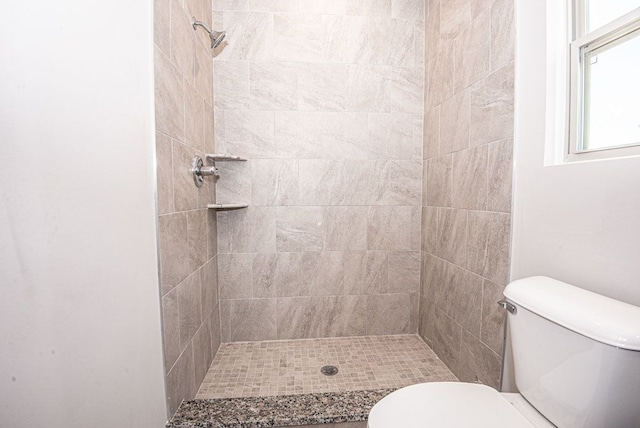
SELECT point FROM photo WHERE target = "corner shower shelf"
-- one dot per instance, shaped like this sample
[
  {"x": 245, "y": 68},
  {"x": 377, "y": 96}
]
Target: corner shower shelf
[
  {"x": 216, "y": 157},
  {"x": 226, "y": 207},
  {"x": 224, "y": 158}
]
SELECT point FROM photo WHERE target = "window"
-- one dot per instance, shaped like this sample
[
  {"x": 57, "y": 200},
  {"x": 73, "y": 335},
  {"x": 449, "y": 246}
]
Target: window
[{"x": 604, "y": 118}]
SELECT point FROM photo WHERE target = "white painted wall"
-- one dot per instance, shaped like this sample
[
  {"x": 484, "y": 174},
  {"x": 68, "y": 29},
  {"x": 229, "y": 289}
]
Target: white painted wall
[
  {"x": 80, "y": 338},
  {"x": 579, "y": 223}
]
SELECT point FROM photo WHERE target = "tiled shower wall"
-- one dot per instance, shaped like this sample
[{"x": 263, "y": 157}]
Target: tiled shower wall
[
  {"x": 325, "y": 99},
  {"x": 187, "y": 231},
  {"x": 467, "y": 192}
]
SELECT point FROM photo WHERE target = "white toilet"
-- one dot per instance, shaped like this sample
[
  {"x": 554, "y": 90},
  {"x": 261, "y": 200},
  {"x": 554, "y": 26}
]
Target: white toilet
[{"x": 576, "y": 364}]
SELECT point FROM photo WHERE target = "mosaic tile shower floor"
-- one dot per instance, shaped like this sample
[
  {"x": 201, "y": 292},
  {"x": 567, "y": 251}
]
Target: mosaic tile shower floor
[{"x": 252, "y": 369}]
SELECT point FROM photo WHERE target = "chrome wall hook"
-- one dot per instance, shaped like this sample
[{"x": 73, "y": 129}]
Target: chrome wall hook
[
  {"x": 216, "y": 36},
  {"x": 199, "y": 171}
]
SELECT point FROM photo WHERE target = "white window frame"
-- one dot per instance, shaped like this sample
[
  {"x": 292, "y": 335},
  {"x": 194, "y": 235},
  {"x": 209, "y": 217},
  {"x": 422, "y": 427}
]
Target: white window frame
[{"x": 580, "y": 43}]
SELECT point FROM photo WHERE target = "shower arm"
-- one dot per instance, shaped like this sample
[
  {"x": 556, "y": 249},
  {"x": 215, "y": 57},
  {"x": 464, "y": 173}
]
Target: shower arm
[
  {"x": 201, "y": 24},
  {"x": 215, "y": 36}
]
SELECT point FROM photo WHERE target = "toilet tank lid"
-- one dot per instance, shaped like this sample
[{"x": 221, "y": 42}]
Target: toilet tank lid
[{"x": 598, "y": 317}]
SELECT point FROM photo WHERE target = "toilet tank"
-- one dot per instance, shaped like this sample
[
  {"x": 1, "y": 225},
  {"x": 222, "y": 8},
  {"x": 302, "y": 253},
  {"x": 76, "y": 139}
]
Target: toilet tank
[{"x": 576, "y": 354}]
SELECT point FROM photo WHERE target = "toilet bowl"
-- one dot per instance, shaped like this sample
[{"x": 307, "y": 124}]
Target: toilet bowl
[
  {"x": 454, "y": 405},
  {"x": 576, "y": 364}
]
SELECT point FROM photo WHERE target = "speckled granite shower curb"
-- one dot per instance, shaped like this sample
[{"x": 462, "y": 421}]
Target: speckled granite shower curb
[{"x": 277, "y": 411}]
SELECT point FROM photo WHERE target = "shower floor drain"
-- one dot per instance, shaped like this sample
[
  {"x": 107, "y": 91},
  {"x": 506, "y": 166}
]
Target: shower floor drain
[{"x": 329, "y": 370}]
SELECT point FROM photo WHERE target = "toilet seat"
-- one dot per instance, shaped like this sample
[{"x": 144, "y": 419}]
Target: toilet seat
[{"x": 446, "y": 404}]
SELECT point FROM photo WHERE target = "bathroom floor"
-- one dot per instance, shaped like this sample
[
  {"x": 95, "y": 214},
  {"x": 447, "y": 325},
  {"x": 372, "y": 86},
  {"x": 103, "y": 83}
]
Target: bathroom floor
[{"x": 251, "y": 369}]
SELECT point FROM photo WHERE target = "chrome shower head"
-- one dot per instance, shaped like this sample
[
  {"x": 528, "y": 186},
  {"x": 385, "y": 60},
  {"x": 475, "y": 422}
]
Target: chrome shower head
[{"x": 216, "y": 36}]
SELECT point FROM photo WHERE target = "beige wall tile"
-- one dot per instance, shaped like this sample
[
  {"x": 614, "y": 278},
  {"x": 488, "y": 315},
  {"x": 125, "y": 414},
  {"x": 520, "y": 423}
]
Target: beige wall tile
[
  {"x": 297, "y": 37},
  {"x": 369, "y": 7},
  {"x": 181, "y": 384},
  {"x": 197, "y": 238},
  {"x": 402, "y": 182},
  {"x": 185, "y": 192},
  {"x": 232, "y": 85},
  {"x": 404, "y": 272},
  {"x": 216, "y": 329},
  {"x": 249, "y": 35},
  {"x": 430, "y": 229},
  {"x": 201, "y": 10},
  {"x": 174, "y": 251},
  {"x": 212, "y": 232},
  {"x": 439, "y": 75},
  {"x": 472, "y": 52},
  {"x": 321, "y": 86},
  {"x": 477, "y": 362},
  {"x": 432, "y": 133},
  {"x": 432, "y": 30},
  {"x": 321, "y": 181},
  {"x": 420, "y": 44},
  {"x": 169, "y": 97},
  {"x": 344, "y": 39},
  {"x": 170, "y": 328},
  {"x": 401, "y": 33},
  {"x": 434, "y": 279},
  {"x": 446, "y": 340},
  {"x": 488, "y": 245},
  {"x": 273, "y": 85},
  {"x": 235, "y": 276},
  {"x": 161, "y": 25},
  {"x": 462, "y": 297},
  {"x": 365, "y": 272},
  {"x": 469, "y": 184},
  {"x": 274, "y": 5},
  {"x": 209, "y": 278},
  {"x": 499, "y": 167},
  {"x": 502, "y": 33},
  {"x": 391, "y": 135},
  {"x": 164, "y": 174},
  {"x": 249, "y": 133},
  {"x": 368, "y": 88},
  {"x": 274, "y": 182},
  {"x": 234, "y": 185},
  {"x": 493, "y": 316},
  {"x": 454, "y": 123},
  {"x": 234, "y": 231},
  {"x": 230, "y": 4},
  {"x": 393, "y": 228},
  {"x": 209, "y": 129},
  {"x": 263, "y": 228},
  {"x": 345, "y": 228},
  {"x": 299, "y": 228},
  {"x": 330, "y": 7},
  {"x": 406, "y": 91},
  {"x": 455, "y": 15},
  {"x": 203, "y": 71},
  {"x": 492, "y": 107},
  {"x": 439, "y": 181},
  {"x": 479, "y": 6},
  {"x": 182, "y": 41},
  {"x": 390, "y": 313},
  {"x": 452, "y": 235},
  {"x": 202, "y": 354},
  {"x": 189, "y": 308},
  {"x": 263, "y": 274},
  {"x": 408, "y": 9},
  {"x": 331, "y": 316},
  {"x": 194, "y": 118},
  {"x": 248, "y": 319}
]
